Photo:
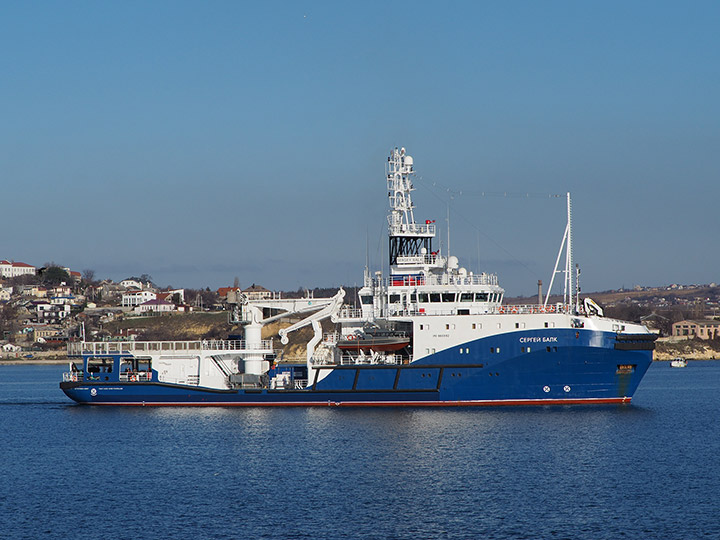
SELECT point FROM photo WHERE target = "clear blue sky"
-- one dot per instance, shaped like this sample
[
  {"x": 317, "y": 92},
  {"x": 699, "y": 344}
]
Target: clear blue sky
[{"x": 200, "y": 141}]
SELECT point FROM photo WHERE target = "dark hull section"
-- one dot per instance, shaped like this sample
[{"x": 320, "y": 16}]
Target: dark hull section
[{"x": 527, "y": 368}]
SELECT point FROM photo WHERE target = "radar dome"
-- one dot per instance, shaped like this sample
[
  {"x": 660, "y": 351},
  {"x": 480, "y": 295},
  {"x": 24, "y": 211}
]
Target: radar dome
[
  {"x": 452, "y": 262},
  {"x": 423, "y": 251}
]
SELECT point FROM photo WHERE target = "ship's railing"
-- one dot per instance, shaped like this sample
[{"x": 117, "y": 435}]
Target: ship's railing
[
  {"x": 427, "y": 229},
  {"x": 402, "y": 311},
  {"x": 100, "y": 348},
  {"x": 433, "y": 280},
  {"x": 73, "y": 376},
  {"x": 533, "y": 308},
  {"x": 134, "y": 376}
]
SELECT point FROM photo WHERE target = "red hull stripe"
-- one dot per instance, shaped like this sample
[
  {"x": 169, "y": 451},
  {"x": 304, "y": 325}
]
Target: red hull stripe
[{"x": 469, "y": 403}]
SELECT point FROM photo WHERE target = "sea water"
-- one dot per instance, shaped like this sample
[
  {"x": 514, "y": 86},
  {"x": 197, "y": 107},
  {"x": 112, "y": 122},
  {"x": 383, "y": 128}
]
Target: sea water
[{"x": 646, "y": 470}]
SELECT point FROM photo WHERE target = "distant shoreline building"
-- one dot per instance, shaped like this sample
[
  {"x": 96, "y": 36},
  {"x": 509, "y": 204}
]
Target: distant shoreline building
[
  {"x": 14, "y": 269},
  {"x": 703, "y": 329}
]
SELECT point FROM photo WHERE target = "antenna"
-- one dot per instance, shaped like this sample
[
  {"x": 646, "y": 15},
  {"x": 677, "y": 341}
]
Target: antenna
[{"x": 448, "y": 228}]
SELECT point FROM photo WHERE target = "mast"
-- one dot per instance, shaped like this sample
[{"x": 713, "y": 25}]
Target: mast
[
  {"x": 566, "y": 245},
  {"x": 569, "y": 270},
  {"x": 407, "y": 239}
]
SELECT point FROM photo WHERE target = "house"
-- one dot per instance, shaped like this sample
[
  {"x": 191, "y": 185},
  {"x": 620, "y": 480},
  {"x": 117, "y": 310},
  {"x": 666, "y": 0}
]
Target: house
[
  {"x": 47, "y": 313},
  {"x": 223, "y": 292},
  {"x": 155, "y": 306},
  {"x": 5, "y": 294},
  {"x": 14, "y": 269},
  {"x": 135, "y": 298},
  {"x": 257, "y": 292},
  {"x": 34, "y": 290},
  {"x": 168, "y": 295},
  {"x": 43, "y": 333},
  {"x": 9, "y": 347},
  {"x": 703, "y": 329},
  {"x": 131, "y": 284}
]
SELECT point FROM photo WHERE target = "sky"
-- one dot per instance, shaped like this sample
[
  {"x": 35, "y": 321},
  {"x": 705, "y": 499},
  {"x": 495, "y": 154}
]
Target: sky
[{"x": 199, "y": 142}]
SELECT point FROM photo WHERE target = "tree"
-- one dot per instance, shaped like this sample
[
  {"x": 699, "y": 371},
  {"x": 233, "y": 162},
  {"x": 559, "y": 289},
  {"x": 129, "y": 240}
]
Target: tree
[
  {"x": 8, "y": 320},
  {"x": 54, "y": 275},
  {"x": 88, "y": 275}
]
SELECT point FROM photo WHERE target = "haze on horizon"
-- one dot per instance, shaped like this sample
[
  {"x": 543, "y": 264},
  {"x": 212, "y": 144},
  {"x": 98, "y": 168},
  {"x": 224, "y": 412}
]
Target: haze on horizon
[{"x": 199, "y": 142}]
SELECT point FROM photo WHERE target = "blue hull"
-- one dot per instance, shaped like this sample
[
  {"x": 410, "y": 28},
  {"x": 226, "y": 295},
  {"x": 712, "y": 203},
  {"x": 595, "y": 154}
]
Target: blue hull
[{"x": 517, "y": 368}]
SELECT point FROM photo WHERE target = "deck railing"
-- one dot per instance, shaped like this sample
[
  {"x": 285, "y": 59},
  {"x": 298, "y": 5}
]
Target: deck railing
[
  {"x": 458, "y": 308},
  {"x": 102, "y": 348}
]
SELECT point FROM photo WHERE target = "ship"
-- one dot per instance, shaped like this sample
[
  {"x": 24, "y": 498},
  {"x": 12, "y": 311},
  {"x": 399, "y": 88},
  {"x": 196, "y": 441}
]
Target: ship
[{"x": 429, "y": 333}]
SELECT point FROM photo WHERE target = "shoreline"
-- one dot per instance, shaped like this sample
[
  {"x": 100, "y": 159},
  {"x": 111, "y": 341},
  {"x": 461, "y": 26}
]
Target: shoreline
[{"x": 33, "y": 361}]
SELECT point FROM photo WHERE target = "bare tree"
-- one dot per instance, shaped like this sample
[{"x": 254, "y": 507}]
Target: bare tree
[{"x": 88, "y": 275}]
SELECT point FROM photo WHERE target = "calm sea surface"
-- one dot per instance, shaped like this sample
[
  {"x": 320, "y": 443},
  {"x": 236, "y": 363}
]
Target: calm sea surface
[{"x": 647, "y": 470}]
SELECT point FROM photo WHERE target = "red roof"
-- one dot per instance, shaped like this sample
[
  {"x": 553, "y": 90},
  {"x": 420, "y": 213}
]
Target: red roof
[
  {"x": 222, "y": 291},
  {"x": 156, "y": 302},
  {"x": 18, "y": 264}
]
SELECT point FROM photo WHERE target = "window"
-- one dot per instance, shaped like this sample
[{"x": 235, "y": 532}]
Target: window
[
  {"x": 448, "y": 297},
  {"x": 394, "y": 298},
  {"x": 466, "y": 297},
  {"x": 423, "y": 298},
  {"x": 481, "y": 297},
  {"x": 435, "y": 297},
  {"x": 366, "y": 299}
]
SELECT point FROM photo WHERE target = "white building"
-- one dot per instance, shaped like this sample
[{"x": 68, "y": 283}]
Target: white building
[
  {"x": 14, "y": 269},
  {"x": 155, "y": 306},
  {"x": 47, "y": 313},
  {"x": 131, "y": 284},
  {"x": 5, "y": 294},
  {"x": 135, "y": 298}
]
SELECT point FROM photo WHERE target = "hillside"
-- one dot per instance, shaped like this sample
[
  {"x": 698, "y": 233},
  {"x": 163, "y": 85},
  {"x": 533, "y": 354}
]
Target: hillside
[{"x": 194, "y": 326}]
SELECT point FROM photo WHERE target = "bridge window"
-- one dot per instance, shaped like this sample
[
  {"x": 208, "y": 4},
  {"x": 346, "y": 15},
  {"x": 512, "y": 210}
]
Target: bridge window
[
  {"x": 394, "y": 298},
  {"x": 481, "y": 297},
  {"x": 448, "y": 297},
  {"x": 466, "y": 297},
  {"x": 423, "y": 298},
  {"x": 366, "y": 299},
  {"x": 434, "y": 297}
]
